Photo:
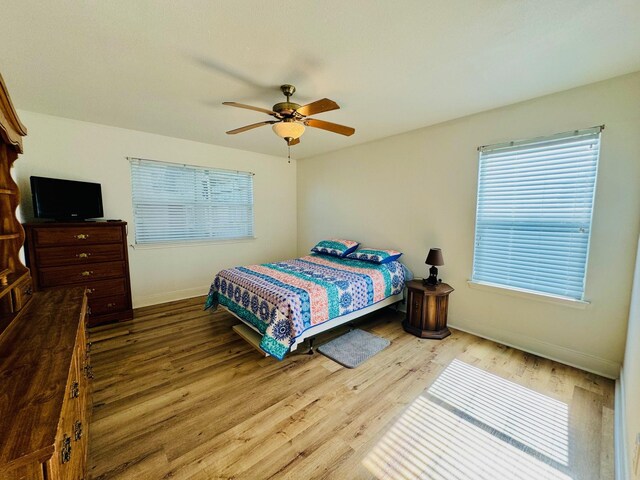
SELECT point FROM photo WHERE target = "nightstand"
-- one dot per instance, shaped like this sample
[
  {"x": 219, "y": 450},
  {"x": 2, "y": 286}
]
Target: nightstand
[{"x": 427, "y": 307}]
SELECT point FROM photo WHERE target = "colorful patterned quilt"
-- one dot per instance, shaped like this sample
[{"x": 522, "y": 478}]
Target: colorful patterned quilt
[{"x": 284, "y": 299}]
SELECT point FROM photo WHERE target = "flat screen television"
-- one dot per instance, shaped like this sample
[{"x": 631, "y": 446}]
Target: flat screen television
[{"x": 66, "y": 200}]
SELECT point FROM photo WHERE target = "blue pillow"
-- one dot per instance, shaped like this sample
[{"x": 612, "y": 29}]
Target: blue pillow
[
  {"x": 335, "y": 247},
  {"x": 375, "y": 255}
]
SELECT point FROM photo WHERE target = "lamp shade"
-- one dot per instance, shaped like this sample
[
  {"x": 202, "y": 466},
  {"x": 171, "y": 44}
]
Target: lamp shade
[
  {"x": 434, "y": 257},
  {"x": 288, "y": 129}
]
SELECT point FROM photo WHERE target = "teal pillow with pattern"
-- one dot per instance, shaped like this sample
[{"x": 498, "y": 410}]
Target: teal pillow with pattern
[
  {"x": 336, "y": 247},
  {"x": 375, "y": 255}
]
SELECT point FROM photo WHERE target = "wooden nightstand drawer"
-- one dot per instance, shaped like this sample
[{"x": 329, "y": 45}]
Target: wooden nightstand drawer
[
  {"x": 55, "y": 276},
  {"x": 79, "y": 254},
  {"x": 81, "y": 235},
  {"x": 414, "y": 307}
]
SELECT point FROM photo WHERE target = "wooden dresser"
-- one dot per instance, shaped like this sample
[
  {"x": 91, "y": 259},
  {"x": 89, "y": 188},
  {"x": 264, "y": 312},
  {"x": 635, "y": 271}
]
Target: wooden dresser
[
  {"x": 92, "y": 254},
  {"x": 45, "y": 404}
]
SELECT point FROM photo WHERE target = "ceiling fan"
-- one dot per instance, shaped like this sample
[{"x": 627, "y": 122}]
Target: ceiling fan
[{"x": 291, "y": 118}]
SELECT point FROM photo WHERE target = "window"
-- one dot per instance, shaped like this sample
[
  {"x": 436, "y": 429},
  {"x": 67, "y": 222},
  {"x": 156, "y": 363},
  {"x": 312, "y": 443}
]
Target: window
[
  {"x": 178, "y": 203},
  {"x": 533, "y": 219}
]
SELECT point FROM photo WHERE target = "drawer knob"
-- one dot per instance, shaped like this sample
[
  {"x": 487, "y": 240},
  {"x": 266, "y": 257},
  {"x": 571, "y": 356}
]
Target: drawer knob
[
  {"x": 86, "y": 273},
  {"x": 65, "y": 451},
  {"x": 111, "y": 305},
  {"x": 83, "y": 255},
  {"x": 77, "y": 430},
  {"x": 82, "y": 236},
  {"x": 75, "y": 390},
  {"x": 91, "y": 290},
  {"x": 89, "y": 345},
  {"x": 29, "y": 290}
]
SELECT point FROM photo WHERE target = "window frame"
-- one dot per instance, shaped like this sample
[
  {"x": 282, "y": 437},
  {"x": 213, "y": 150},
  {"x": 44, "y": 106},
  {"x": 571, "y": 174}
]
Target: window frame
[
  {"x": 518, "y": 291},
  {"x": 199, "y": 218}
]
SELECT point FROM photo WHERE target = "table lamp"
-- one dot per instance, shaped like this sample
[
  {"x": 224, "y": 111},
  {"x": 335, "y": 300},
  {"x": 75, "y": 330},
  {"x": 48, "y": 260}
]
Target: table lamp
[{"x": 435, "y": 260}]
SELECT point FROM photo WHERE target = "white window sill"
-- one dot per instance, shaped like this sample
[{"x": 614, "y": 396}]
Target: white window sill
[
  {"x": 195, "y": 243},
  {"x": 516, "y": 292}
]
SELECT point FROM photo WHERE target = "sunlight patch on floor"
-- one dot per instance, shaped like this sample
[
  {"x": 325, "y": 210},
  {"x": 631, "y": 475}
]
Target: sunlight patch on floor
[{"x": 473, "y": 424}]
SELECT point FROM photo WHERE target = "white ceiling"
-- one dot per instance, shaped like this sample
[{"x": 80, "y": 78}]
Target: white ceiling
[{"x": 393, "y": 66}]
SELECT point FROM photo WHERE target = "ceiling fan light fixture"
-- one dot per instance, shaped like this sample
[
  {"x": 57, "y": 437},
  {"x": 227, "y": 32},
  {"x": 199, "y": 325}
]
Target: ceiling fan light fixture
[
  {"x": 292, "y": 119},
  {"x": 286, "y": 129}
]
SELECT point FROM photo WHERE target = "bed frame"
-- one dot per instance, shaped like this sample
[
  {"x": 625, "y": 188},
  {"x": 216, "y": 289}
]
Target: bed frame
[{"x": 251, "y": 334}]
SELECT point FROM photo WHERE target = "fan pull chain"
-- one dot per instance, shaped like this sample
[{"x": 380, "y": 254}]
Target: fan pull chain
[{"x": 289, "y": 155}]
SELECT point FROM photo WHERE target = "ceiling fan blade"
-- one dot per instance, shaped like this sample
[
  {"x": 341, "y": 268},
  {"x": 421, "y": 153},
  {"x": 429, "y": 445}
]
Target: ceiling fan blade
[
  {"x": 332, "y": 127},
  {"x": 250, "y": 127},
  {"x": 319, "y": 106},
  {"x": 249, "y": 107},
  {"x": 295, "y": 141}
]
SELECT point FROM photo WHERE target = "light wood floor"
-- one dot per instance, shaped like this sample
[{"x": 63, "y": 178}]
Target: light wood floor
[{"x": 178, "y": 395}]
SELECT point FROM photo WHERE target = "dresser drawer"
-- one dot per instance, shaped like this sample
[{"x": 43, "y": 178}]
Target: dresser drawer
[
  {"x": 100, "y": 306},
  {"x": 107, "y": 288},
  {"x": 44, "y": 237},
  {"x": 68, "y": 460},
  {"x": 79, "y": 254},
  {"x": 21, "y": 294},
  {"x": 55, "y": 276}
]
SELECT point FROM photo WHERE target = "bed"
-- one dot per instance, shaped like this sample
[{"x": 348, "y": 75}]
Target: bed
[{"x": 289, "y": 301}]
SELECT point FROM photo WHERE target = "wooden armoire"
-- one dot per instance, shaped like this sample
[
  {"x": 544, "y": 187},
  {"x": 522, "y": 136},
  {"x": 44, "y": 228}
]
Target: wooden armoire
[{"x": 15, "y": 282}]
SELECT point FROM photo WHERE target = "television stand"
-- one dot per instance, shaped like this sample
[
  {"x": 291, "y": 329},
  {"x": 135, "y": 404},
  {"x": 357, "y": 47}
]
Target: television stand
[{"x": 90, "y": 254}]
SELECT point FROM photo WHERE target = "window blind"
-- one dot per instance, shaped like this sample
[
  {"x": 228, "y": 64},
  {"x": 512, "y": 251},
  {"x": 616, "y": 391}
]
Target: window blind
[
  {"x": 177, "y": 203},
  {"x": 534, "y": 210}
]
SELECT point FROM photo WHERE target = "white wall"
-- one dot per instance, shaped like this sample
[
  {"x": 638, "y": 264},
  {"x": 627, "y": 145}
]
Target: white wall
[
  {"x": 418, "y": 190},
  {"x": 63, "y": 148},
  {"x": 631, "y": 373}
]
